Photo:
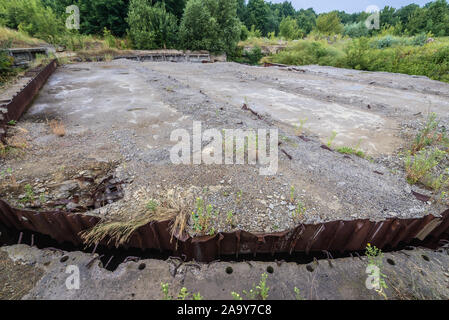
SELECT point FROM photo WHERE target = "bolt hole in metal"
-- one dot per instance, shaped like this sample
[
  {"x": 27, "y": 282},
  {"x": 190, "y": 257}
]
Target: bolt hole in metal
[
  {"x": 391, "y": 262},
  {"x": 64, "y": 259},
  {"x": 142, "y": 266},
  {"x": 425, "y": 257},
  {"x": 270, "y": 269},
  {"x": 229, "y": 270}
]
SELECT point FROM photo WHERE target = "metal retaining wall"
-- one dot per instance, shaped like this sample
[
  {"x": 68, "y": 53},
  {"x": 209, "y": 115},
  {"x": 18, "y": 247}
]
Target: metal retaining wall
[
  {"x": 331, "y": 236},
  {"x": 22, "y": 100}
]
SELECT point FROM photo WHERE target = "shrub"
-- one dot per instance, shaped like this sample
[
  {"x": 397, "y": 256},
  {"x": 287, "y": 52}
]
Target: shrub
[
  {"x": 151, "y": 27},
  {"x": 309, "y": 52},
  {"x": 210, "y": 25},
  {"x": 289, "y": 29},
  {"x": 355, "y": 30},
  {"x": 32, "y": 18},
  {"x": 329, "y": 23}
]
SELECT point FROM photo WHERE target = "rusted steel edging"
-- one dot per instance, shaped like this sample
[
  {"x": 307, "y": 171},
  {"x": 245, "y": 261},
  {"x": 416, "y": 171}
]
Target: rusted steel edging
[
  {"x": 22, "y": 100},
  {"x": 331, "y": 236}
]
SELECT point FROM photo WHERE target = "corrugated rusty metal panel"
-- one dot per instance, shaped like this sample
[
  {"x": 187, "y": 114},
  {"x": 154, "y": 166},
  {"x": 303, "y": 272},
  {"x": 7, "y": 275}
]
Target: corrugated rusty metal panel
[
  {"x": 20, "y": 102},
  {"x": 332, "y": 236}
]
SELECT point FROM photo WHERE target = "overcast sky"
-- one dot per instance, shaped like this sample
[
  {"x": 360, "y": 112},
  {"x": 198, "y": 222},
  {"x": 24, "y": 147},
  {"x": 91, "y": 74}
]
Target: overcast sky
[{"x": 349, "y": 5}]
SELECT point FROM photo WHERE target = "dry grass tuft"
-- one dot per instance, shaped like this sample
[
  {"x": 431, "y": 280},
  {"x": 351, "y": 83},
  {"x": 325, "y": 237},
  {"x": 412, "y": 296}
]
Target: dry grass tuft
[
  {"x": 57, "y": 128},
  {"x": 171, "y": 207}
]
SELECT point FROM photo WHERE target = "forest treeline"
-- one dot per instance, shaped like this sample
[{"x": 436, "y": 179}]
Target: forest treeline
[{"x": 215, "y": 25}]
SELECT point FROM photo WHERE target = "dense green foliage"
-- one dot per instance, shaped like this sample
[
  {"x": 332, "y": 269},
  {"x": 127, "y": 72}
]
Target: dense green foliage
[
  {"x": 400, "y": 45},
  {"x": 329, "y": 23},
  {"x": 388, "y": 53},
  {"x": 210, "y": 25},
  {"x": 31, "y": 17},
  {"x": 151, "y": 27}
]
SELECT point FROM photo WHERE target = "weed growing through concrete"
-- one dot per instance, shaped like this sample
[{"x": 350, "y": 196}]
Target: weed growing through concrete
[
  {"x": 29, "y": 194},
  {"x": 260, "y": 291},
  {"x": 236, "y": 296},
  {"x": 419, "y": 165},
  {"x": 202, "y": 218},
  {"x": 298, "y": 294},
  {"x": 299, "y": 130},
  {"x": 299, "y": 211},
  {"x": 331, "y": 139},
  {"x": 292, "y": 194},
  {"x": 183, "y": 294},
  {"x": 375, "y": 258},
  {"x": 257, "y": 292},
  {"x": 349, "y": 150},
  {"x": 429, "y": 135}
]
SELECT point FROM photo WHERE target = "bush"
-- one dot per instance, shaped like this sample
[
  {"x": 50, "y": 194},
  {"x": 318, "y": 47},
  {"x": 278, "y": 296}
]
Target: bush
[
  {"x": 5, "y": 66},
  {"x": 32, "y": 18},
  {"x": 151, "y": 27},
  {"x": 329, "y": 23},
  {"x": 309, "y": 52},
  {"x": 210, "y": 25},
  {"x": 254, "y": 55},
  {"x": 289, "y": 30},
  {"x": 355, "y": 30},
  {"x": 419, "y": 40},
  {"x": 384, "y": 42}
]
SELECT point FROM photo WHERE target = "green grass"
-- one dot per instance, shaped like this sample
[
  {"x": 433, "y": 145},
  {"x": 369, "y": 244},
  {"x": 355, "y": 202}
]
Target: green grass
[{"x": 349, "y": 150}]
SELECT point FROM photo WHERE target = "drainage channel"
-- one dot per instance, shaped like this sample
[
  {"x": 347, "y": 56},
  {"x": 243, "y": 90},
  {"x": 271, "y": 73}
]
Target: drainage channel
[{"x": 111, "y": 257}]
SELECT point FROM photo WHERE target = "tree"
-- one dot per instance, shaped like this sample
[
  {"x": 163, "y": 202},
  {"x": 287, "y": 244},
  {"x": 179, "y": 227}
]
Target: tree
[
  {"x": 258, "y": 12},
  {"x": 210, "y": 25},
  {"x": 306, "y": 20},
  {"x": 388, "y": 17},
  {"x": 329, "y": 23},
  {"x": 33, "y": 18},
  {"x": 151, "y": 26},
  {"x": 289, "y": 29},
  {"x": 99, "y": 14}
]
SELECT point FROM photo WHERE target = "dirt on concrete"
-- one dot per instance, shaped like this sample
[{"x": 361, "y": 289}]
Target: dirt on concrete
[
  {"x": 17, "y": 278},
  {"x": 118, "y": 116}
]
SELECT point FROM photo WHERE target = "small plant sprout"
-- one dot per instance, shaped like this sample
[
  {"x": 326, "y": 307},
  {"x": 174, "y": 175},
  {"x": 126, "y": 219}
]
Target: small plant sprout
[
  {"x": 375, "y": 258},
  {"x": 230, "y": 218},
  {"x": 12, "y": 123},
  {"x": 298, "y": 294},
  {"x": 299, "y": 129},
  {"x": 165, "y": 294},
  {"x": 197, "y": 296},
  {"x": 257, "y": 292},
  {"x": 29, "y": 194},
  {"x": 202, "y": 216},
  {"x": 183, "y": 294},
  {"x": 292, "y": 194},
  {"x": 152, "y": 205},
  {"x": 299, "y": 211},
  {"x": 331, "y": 139},
  {"x": 236, "y": 296},
  {"x": 239, "y": 196}
]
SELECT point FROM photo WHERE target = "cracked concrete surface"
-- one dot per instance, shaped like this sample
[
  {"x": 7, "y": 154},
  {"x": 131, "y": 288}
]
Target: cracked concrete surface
[{"x": 409, "y": 274}]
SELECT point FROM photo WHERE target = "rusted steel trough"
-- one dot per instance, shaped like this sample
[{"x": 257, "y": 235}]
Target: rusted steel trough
[
  {"x": 339, "y": 235},
  {"x": 21, "y": 101}
]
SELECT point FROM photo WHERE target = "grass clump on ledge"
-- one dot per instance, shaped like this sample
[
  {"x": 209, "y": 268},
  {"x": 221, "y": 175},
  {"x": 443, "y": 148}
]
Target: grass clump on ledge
[
  {"x": 349, "y": 150},
  {"x": 170, "y": 208}
]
